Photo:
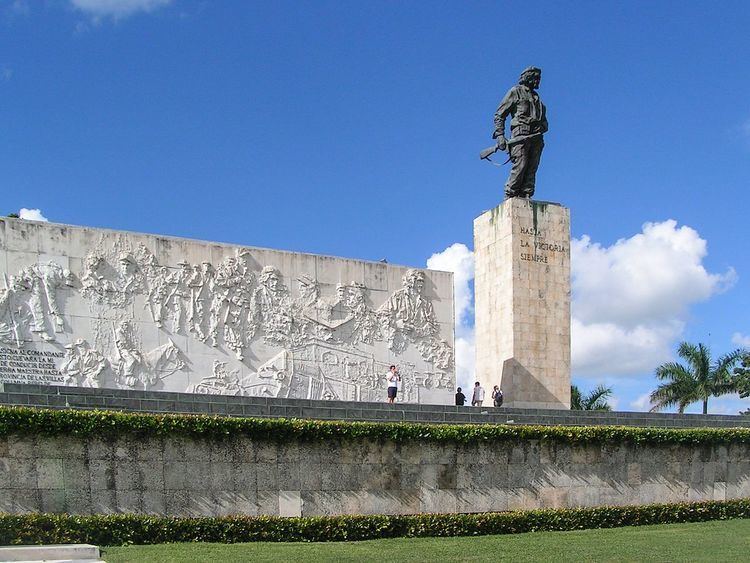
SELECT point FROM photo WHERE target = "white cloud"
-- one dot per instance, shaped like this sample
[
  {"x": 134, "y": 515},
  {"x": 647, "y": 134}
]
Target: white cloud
[
  {"x": 607, "y": 348},
  {"x": 6, "y": 73},
  {"x": 726, "y": 404},
  {"x": 630, "y": 300},
  {"x": 458, "y": 259},
  {"x": 31, "y": 214},
  {"x": 116, "y": 9},
  {"x": 741, "y": 340},
  {"x": 642, "y": 403}
]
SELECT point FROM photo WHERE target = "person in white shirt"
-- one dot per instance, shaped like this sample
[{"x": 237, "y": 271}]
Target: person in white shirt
[
  {"x": 393, "y": 377},
  {"x": 478, "y": 396}
]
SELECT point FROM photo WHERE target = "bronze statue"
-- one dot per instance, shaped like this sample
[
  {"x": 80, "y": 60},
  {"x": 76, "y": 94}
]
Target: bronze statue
[{"x": 527, "y": 127}]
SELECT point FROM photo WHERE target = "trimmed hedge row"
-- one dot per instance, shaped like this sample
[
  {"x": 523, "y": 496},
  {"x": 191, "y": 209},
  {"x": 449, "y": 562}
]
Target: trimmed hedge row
[
  {"x": 50, "y": 422},
  {"x": 123, "y": 529}
]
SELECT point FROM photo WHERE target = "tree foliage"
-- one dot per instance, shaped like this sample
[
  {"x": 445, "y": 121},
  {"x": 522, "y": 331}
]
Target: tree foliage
[
  {"x": 596, "y": 400},
  {"x": 698, "y": 379},
  {"x": 742, "y": 377}
]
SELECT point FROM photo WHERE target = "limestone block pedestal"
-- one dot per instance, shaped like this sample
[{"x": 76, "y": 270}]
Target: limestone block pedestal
[{"x": 522, "y": 303}]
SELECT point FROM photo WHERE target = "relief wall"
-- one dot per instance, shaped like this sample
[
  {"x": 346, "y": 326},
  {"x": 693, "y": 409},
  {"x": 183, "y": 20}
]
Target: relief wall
[{"x": 98, "y": 308}]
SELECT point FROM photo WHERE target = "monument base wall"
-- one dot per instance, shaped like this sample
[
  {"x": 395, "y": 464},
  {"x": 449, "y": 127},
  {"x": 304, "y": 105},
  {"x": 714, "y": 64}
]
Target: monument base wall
[
  {"x": 522, "y": 292},
  {"x": 191, "y": 477}
]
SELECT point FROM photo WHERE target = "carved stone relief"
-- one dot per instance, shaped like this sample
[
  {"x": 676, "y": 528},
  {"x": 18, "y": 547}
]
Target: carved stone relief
[
  {"x": 29, "y": 303},
  {"x": 221, "y": 382},
  {"x": 82, "y": 366},
  {"x": 325, "y": 345}
]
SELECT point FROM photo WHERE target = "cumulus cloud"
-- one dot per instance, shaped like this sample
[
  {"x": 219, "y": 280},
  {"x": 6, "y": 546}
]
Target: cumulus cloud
[
  {"x": 741, "y": 340},
  {"x": 457, "y": 258},
  {"x": 642, "y": 403},
  {"x": 630, "y": 299},
  {"x": 116, "y": 9},
  {"x": 31, "y": 214}
]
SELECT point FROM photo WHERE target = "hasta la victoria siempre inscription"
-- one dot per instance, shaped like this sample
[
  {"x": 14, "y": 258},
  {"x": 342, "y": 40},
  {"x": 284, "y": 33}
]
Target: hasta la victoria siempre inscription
[
  {"x": 110, "y": 314},
  {"x": 537, "y": 249}
]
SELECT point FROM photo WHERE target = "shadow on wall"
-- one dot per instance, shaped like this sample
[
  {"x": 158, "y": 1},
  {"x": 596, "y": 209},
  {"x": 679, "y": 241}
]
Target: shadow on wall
[{"x": 520, "y": 386}]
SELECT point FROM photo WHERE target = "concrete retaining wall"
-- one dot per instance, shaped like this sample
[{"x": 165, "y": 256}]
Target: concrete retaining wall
[{"x": 183, "y": 477}]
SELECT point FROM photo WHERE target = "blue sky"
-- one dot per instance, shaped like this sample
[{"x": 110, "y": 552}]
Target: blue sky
[{"x": 353, "y": 128}]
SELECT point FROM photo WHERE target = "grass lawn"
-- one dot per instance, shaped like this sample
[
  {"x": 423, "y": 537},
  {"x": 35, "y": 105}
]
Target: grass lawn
[{"x": 727, "y": 540}]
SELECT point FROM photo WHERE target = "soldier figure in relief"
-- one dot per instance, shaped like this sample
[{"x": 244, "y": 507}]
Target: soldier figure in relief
[
  {"x": 131, "y": 368},
  {"x": 230, "y": 301},
  {"x": 408, "y": 315},
  {"x": 158, "y": 293},
  {"x": 527, "y": 127},
  {"x": 201, "y": 288},
  {"x": 269, "y": 307},
  {"x": 179, "y": 297},
  {"x": 310, "y": 313},
  {"x": 91, "y": 278},
  {"x": 410, "y": 310},
  {"x": 9, "y": 323},
  {"x": 220, "y": 300},
  {"x": 42, "y": 281},
  {"x": 82, "y": 366},
  {"x": 128, "y": 279},
  {"x": 365, "y": 326}
]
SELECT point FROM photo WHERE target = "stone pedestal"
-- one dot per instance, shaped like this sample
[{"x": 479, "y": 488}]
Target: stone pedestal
[{"x": 522, "y": 303}]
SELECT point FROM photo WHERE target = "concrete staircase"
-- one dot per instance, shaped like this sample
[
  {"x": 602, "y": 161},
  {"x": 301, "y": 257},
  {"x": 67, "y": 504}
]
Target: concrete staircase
[{"x": 66, "y": 553}]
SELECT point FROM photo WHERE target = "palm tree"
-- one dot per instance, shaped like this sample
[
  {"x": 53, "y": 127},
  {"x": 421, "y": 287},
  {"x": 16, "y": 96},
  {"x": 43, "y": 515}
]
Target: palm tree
[
  {"x": 742, "y": 377},
  {"x": 697, "y": 381},
  {"x": 596, "y": 400}
]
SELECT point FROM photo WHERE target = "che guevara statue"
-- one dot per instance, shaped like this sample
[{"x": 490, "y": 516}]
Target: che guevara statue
[{"x": 527, "y": 127}]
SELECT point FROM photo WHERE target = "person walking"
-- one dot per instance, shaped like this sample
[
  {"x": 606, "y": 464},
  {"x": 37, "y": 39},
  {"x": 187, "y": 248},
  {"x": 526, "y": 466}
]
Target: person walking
[
  {"x": 393, "y": 377},
  {"x": 497, "y": 396},
  {"x": 460, "y": 398},
  {"x": 478, "y": 396}
]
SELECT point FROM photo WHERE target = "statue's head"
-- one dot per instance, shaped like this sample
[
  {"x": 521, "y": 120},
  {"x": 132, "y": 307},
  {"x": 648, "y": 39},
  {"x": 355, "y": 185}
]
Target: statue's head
[{"x": 531, "y": 77}]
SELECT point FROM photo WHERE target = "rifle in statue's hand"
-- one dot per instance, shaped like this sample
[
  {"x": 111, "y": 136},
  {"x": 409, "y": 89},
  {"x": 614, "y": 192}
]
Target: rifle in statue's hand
[{"x": 489, "y": 151}]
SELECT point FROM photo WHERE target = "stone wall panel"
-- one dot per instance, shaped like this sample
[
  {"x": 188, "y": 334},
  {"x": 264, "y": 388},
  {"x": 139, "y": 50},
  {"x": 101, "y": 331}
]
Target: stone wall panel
[
  {"x": 96, "y": 308},
  {"x": 191, "y": 477}
]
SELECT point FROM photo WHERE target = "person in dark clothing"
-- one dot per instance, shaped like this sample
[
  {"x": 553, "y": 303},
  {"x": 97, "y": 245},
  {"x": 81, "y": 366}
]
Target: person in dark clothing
[
  {"x": 460, "y": 398},
  {"x": 497, "y": 396}
]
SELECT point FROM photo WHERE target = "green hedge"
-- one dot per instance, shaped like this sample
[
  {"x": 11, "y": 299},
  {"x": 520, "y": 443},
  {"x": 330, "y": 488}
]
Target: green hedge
[
  {"x": 49, "y": 422},
  {"x": 123, "y": 529}
]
